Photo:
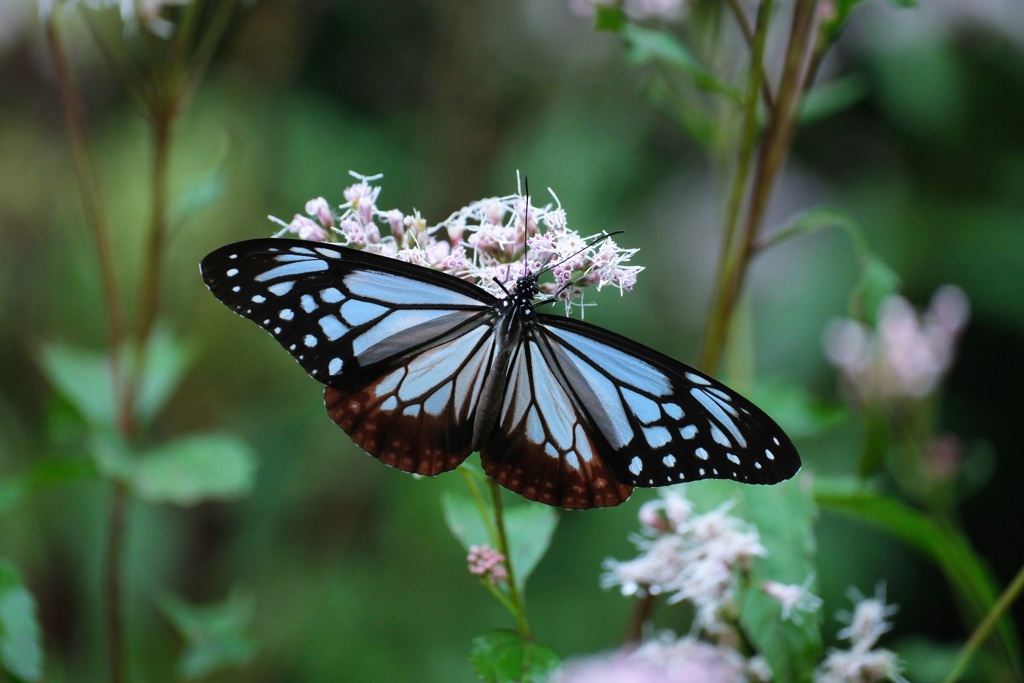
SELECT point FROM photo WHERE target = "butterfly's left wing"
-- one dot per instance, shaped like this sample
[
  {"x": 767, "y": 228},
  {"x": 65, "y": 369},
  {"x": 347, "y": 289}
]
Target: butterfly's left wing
[{"x": 588, "y": 414}]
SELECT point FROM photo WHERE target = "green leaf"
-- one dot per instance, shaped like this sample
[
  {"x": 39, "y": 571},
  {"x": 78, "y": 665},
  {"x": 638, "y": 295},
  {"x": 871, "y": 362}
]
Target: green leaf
[
  {"x": 608, "y": 18},
  {"x": 21, "y": 652},
  {"x": 652, "y": 46},
  {"x": 193, "y": 469},
  {"x": 214, "y": 635},
  {"x": 464, "y": 520},
  {"x": 529, "y": 528},
  {"x": 832, "y": 98},
  {"x": 784, "y": 516},
  {"x": 83, "y": 378},
  {"x": 166, "y": 362},
  {"x": 798, "y": 412},
  {"x": 44, "y": 475},
  {"x": 877, "y": 282},
  {"x": 948, "y": 549},
  {"x": 504, "y": 657}
]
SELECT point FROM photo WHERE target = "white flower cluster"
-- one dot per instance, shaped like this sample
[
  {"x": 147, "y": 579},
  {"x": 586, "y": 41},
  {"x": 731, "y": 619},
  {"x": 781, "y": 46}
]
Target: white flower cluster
[
  {"x": 907, "y": 355},
  {"x": 637, "y": 10},
  {"x": 490, "y": 242},
  {"x": 862, "y": 662},
  {"x": 133, "y": 12},
  {"x": 688, "y": 556}
]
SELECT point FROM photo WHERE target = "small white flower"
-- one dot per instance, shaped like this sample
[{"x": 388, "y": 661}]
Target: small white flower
[
  {"x": 794, "y": 598},
  {"x": 870, "y": 618}
]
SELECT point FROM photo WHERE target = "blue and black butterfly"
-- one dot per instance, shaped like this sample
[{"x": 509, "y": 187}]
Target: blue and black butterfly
[{"x": 422, "y": 368}]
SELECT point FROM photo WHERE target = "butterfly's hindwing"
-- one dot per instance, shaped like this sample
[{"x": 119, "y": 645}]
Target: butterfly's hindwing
[
  {"x": 417, "y": 416},
  {"x": 542, "y": 446},
  {"x": 665, "y": 422}
]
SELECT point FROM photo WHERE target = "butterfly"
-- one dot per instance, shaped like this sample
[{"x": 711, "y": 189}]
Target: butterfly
[{"x": 422, "y": 368}]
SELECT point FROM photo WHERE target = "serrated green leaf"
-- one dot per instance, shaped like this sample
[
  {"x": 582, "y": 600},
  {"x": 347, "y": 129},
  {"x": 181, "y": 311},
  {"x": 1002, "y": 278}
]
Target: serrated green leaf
[
  {"x": 504, "y": 657},
  {"x": 214, "y": 635},
  {"x": 195, "y": 468},
  {"x": 21, "y": 652},
  {"x": 529, "y": 528}
]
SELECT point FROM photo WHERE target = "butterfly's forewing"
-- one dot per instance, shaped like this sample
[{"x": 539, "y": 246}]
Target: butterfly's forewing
[
  {"x": 543, "y": 446},
  {"x": 660, "y": 422},
  {"x": 399, "y": 347}
]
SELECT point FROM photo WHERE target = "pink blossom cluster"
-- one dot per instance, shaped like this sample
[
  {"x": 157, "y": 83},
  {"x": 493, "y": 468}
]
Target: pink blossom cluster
[
  {"x": 490, "y": 241},
  {"x": 486, "y": 562},
  {"x": 862, "y": 662},
  {"x": 906, "y": 355},
  {"x": 667, "y": 660},
  {"x": 688, "y": 556},
  {"x": 133, "y": 12}
]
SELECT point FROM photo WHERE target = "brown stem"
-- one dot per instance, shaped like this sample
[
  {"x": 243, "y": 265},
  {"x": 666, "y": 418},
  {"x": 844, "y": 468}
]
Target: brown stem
[
  {"x": 91, "y": 193},
  {"x": 771, "y": 156}
]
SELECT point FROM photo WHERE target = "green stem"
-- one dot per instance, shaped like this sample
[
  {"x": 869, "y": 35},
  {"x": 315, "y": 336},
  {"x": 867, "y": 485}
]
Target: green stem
[
  {"x": 987, "y": 625},
  {"x": 513, "y": 591},
  {"x": 113, "y": 581}
]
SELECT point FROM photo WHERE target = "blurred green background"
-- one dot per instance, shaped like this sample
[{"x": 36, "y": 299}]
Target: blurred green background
[{"x": 352, "y": 573}]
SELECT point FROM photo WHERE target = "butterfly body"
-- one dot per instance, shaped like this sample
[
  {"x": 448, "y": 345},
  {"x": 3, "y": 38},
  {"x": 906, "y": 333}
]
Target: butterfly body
[{"x": 422, "y": 368}]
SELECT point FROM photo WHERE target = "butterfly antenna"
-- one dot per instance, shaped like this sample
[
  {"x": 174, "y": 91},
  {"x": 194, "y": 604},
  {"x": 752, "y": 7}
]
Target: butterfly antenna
[
  {"x": 526, "y": 221},
  {"x": 597, "y": 240}
]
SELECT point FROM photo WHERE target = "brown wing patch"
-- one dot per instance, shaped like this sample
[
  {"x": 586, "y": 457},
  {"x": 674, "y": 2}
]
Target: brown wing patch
[
  {"x": 542, "y": 447},
  {"x": 418, "y": 416},
  {"x": 406, "y": 442}
]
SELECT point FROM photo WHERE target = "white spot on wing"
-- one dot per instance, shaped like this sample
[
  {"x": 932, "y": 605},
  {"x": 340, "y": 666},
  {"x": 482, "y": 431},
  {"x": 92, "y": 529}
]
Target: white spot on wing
[
  {"x": 258, "y": 298},
  {"x": 358, "y": 312},
  {"x": 332, "y": 327},
  {"x": 701, "y": 453},
  {"x": 309, "y": 341},
  {"x": 657, "y": 436},
  {"x": 232, "y": 272},
  {"x": 673, "y": 410},
  {"x": 697, "y": 379},
  {"x": 334, "y": 367},
  {"x": 308, "y": 303},
  {"x": 331, "y": 295},
  {"x": 292, "y": 269},
  {"x": 688, "y": 432},
  {"x": 281, "y": 288},
  {"x": 734, "y": 459},
  {"x": 636, "y": 466},
  {"x": 669, "y": 460},
  {"x": 771, "y": 456},
  {"x": 287, "y": 314},
  {"x": 644, "y": 408}
]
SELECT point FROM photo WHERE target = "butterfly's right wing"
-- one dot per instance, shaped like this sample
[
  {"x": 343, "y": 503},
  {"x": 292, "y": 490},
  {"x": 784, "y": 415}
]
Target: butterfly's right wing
[{"x": 402, "y": 349}]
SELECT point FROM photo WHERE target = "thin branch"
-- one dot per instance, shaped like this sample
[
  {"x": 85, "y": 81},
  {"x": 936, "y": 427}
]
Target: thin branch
[{"x": 751, "y": 36}]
